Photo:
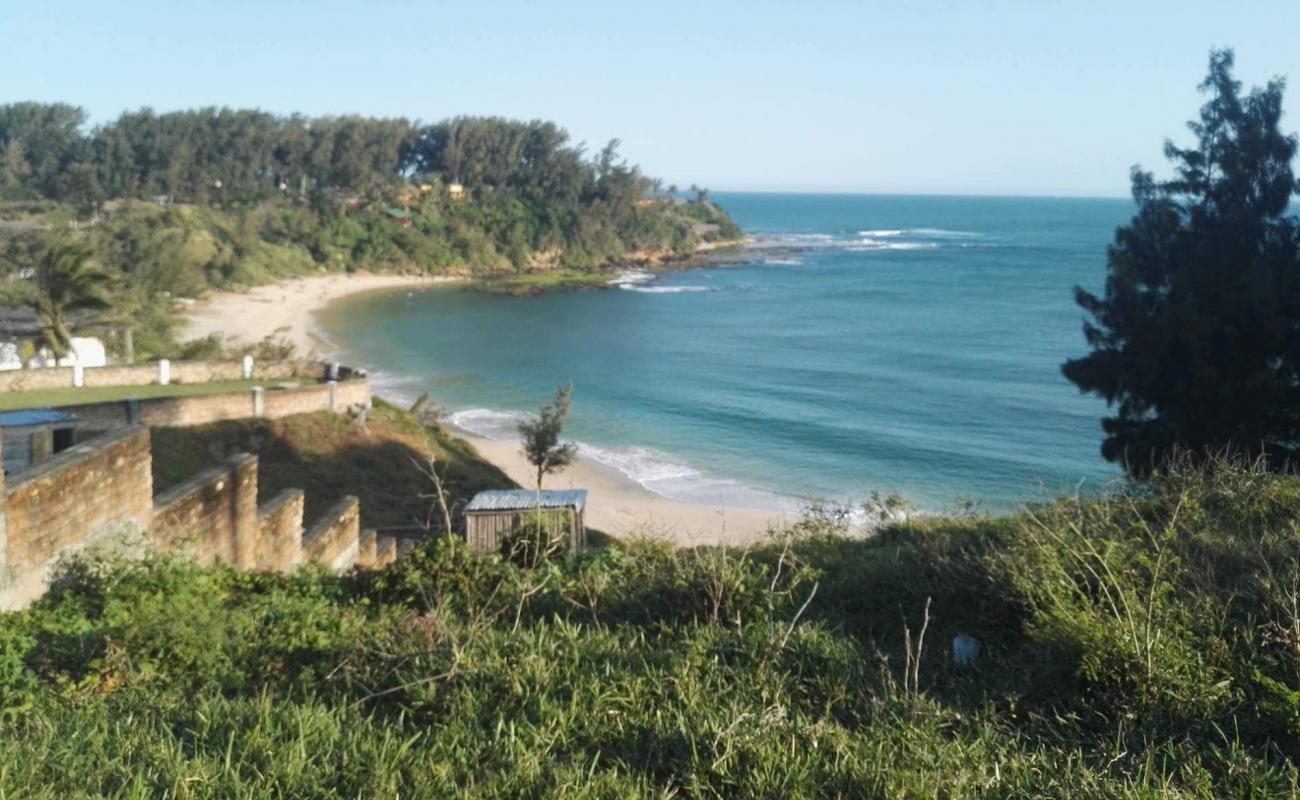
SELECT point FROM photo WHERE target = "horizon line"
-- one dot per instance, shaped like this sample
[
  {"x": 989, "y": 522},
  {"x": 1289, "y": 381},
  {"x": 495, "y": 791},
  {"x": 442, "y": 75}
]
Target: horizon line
[{"x": 877, "y": 193}]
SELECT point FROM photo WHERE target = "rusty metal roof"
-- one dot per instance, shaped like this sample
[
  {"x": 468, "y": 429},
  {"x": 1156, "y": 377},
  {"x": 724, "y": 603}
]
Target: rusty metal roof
[{"x": 523, "y": 499}]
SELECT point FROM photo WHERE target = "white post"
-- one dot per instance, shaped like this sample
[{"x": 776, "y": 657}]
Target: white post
[
  {"x": 248, "y": 368},
  {"x": 164, "y": 372},
  {"x": 78, "y": 376},
  {"x": 334, "y": 394},
  {"x": 259, "y": 402}
]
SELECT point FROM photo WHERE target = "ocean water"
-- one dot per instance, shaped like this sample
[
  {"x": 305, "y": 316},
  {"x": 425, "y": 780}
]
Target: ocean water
[{"x": 860, "y": 344}]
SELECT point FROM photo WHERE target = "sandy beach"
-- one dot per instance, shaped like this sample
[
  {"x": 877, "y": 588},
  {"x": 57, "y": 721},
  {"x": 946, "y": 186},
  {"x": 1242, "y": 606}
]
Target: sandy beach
[
  {"x": 616, "y": 505},
  {"x": 288, "y": 308}
]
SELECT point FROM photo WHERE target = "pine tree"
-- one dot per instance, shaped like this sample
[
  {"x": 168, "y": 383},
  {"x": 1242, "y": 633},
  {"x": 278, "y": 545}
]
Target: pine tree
[
  {"x": 541, "y": 437},
  {"x": 1196, "y": 337}
]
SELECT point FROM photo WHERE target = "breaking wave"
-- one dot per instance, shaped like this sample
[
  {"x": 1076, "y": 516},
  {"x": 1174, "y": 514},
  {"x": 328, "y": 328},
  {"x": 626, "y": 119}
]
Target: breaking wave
[{"x": 652, "y": 470}]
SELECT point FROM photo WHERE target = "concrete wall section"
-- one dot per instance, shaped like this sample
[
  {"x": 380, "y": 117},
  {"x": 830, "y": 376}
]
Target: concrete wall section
[
  {"x": 26, "y": 380},
  {"x": 279, "y": 531},
  {"x": 99, "y": 488},
  {"x": 163, "y": 412},
  {"x": 335, "y": 538},
  {"x": 32, "y": 380},
  {"x": 212, "y": 516}
]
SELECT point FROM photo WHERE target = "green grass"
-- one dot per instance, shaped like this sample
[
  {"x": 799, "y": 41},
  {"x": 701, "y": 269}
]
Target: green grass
[
  {"x": 1142, "y": 645},
  {"x": 69, "y": 397},
  {"x": 533, "y": 283},
  {"x": 328, "y": 456}
]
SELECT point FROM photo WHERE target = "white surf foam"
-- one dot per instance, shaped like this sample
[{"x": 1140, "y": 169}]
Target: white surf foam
[
  {"x": 650, "y": 469},
  {"x": 944, "y": 233},
  {"x": 666, "y": 289},
  {"x": 888, "y": 232},
  {"x": 670, "y": 477},
  {"x": 401, "y": 388},
  {"x": 631, "y": 278},
  {"x": 487, "y": 422},
  {"x": 869, "y": 245}
]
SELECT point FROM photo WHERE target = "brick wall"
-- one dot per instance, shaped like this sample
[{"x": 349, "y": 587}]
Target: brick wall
[
  {"x": 104, "y": 486},
  {"x": 305, "y": 399},
  {"x": 212, "y": 516},
  {"x": 20, "y": 380},
  {"x": 279, "y": 531},
  {"x": 100, "y": 487},
  {"x": 352, "y": 392},
  {"x": 30, "y": 380},
  {"x": 335, "y": 538},
  {"x": 161, "y": 412}
]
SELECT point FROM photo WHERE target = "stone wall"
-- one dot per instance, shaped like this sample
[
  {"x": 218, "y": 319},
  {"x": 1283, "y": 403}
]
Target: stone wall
[
  {"x": 159, "y": 412},
  {"x": 279, "y": 531},
  {"x": 101, "y": 491},
  {"x": 20, "y": 380},
  {"x": 32, "y": 380},
  {"x": 96, "y": 490},
  {"x": 212, "y": 516},
  {"x": 336, "y": 537}
]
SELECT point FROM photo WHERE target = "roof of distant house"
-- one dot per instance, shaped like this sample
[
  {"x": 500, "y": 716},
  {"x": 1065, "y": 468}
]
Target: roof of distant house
[{"x": 523, "y": 499}]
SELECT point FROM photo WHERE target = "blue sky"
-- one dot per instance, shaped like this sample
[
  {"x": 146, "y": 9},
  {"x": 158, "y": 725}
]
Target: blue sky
[{"x": 929, "y": 97}]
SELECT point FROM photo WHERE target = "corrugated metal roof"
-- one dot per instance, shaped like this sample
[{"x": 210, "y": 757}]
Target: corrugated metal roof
[
  {"x": 521, "y": 499},
  {"x": 34, "y": 416}
]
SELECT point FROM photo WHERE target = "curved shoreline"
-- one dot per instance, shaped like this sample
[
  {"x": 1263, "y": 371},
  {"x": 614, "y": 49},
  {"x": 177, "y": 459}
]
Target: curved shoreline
[
  {"x": 616, "y": 505},
  {"x": 289, "y": 307}
]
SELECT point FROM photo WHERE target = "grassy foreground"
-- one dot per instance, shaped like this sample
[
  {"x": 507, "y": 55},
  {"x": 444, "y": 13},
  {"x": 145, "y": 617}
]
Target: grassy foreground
[{"x": 1145, "y": 645}]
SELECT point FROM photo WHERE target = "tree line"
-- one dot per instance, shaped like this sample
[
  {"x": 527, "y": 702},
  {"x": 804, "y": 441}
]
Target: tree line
[{"x": 221, "y": 155}]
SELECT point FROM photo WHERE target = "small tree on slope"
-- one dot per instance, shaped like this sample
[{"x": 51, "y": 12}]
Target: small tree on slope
[
  {"x": 541, "y": 437},
  {"x": 1196, "y": 338}
]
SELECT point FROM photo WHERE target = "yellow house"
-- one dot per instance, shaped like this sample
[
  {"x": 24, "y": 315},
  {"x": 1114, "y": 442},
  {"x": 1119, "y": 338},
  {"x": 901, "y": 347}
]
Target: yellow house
[{"x": 456, "y": 191}]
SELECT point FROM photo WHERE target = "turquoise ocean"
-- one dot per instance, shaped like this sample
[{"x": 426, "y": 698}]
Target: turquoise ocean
[{"x": 860, "y": 343}]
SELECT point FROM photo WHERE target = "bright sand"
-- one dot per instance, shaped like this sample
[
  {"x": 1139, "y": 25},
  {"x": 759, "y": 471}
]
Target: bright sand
[
  {"x": 615, "y": 504},
  {"x": 287, "y": 308},
  {"x": 618, "y": 506}
]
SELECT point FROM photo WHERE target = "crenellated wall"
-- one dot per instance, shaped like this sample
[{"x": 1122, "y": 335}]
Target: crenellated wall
[
  {"x": 279, "y": 531},
  {"x": 336, "y": 538},
  {"x": 212, "y": 516},
  {"x": 101, "y": 491}
]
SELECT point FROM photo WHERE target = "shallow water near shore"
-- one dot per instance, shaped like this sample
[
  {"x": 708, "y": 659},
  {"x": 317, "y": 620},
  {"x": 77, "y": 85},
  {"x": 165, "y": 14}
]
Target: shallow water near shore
[{"x": 859, "y": 344}]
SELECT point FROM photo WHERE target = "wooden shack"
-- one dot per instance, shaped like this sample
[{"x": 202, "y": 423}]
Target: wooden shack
[{"x": 492, "y": 515}]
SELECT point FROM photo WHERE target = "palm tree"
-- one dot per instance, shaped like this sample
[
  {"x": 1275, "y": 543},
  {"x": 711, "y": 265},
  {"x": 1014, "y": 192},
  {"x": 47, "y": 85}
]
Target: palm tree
[{"x": 67, "y": 280}]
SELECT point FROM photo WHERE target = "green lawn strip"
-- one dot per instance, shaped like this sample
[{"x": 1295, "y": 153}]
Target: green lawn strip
[{"x": 10, "y": 401}]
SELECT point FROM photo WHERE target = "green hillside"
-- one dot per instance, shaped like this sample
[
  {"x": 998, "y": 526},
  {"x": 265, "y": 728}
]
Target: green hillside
[{"x": 1142, "y": 645}]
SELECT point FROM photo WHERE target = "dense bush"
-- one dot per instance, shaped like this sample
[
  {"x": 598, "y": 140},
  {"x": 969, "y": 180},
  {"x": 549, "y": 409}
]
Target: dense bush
[{"x": 1145, "y": 644}]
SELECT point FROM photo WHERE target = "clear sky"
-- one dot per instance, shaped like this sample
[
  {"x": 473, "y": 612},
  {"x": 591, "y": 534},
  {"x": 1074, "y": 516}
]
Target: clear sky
[{"x": 979, "y": 97}]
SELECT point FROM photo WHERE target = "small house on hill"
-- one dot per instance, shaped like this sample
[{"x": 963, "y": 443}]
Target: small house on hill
[{"x": 492, "y": 515}]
